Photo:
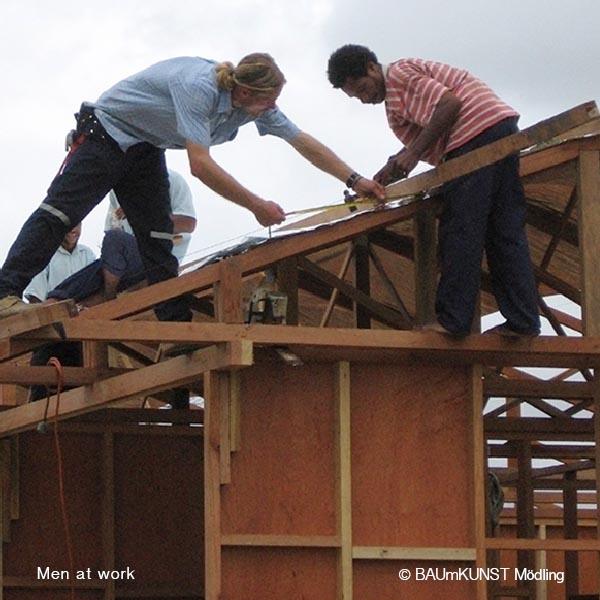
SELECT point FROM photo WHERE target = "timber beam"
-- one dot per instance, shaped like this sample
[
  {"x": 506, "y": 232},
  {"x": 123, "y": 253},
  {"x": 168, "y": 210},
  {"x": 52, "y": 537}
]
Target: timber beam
[
  {"x": 543, "y": 351},
  {"x": 175, "y": 372},
  {"x": 539, "y": 133}
]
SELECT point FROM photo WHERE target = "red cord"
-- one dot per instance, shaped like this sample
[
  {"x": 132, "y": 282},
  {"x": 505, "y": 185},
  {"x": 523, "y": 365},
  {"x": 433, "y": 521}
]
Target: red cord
[{"x": 61, "y": 486}]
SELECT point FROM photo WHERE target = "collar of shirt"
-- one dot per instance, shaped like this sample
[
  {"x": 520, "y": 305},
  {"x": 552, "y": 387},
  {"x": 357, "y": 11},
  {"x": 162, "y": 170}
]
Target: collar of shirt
[{"x": 225, "y": 105}]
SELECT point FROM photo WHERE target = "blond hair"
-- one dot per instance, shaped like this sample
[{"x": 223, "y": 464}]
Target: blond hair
[{"x": 257, "y": 72}]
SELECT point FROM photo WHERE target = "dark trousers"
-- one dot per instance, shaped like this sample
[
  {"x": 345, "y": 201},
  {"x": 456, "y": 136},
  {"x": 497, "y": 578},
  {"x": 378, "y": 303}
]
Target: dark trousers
[
  {"x": 139, "y": 178},
  {"x": 486, "y": 209},
  {"x": 119, "y": 255},
  {"x": 68, "y": 353}
]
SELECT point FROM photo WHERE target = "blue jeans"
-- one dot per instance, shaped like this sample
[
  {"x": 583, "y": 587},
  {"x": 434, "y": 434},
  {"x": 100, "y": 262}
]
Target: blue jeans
[
  {"x": 119, "y": 255},
  {"x": 140, "y": 180},
  {"x": 486, "y": 209}
]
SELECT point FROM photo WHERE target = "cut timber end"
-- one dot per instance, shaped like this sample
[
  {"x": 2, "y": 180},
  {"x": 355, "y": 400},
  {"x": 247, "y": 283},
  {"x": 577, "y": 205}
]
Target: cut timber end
[{"x": 36, "y": 318}]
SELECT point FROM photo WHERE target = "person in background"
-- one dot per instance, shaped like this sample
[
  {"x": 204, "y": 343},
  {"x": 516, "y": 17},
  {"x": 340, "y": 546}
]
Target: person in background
[
  {"x": 70, "y": 257},
  {"x": 120, "y": 265}
]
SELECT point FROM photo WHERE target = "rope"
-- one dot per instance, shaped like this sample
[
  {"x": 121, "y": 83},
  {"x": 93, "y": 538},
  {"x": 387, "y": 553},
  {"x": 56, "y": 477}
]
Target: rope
[{"x": 54, "y": 362}]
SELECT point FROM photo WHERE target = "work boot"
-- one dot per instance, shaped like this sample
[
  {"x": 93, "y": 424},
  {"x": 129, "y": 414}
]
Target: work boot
[{"x": 13, "y": 305}]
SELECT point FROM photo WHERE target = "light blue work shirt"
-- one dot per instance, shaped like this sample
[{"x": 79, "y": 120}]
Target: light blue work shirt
[{"x": 177, "y": 100}]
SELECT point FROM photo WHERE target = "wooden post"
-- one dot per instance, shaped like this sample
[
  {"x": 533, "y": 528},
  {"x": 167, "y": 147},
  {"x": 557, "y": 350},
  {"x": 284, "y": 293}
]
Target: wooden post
[
  {"x": 525, "y": 513},
  {"x": 287, "y": 282},
  {"x": 362, "y": 279},
  {"x": 344, "y": 481},
  {"x": 225, "y": 426},
  {"x": 570, "y": 533},
  {"x": 479, "y": 470},
  {"x": 425, "y": 234},
  {"x": 541, "y": 563},
  {"x": 212, "y": 491},
  {"x": 228, "y": 293},
  {"x": 597, "y": 453},
  {"x": 108, "y": 510},
  {"x": 588, "y": 191}
]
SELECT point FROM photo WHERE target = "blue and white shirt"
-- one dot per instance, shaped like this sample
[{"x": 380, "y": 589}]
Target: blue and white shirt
[
  {"x": 177, "y": 100},
  {"x": 63, "y": 264}
]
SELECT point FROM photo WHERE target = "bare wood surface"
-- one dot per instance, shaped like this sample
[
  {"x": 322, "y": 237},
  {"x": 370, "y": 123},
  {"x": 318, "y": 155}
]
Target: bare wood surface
[
  {"x": 410, "y": 553},
  {"x": 281, "y": 541},
  {"x": 212, "y": 487},
  {"x": 588, "y": 192},
  {"x": 487, "y": 155},
  {"x": 176, "y": 371},
  {"x": 34, "y": 318},
  {"x": 344, "y": 480},
  {"x": 548, "y": 351},
  {"x": 521, "y": 388},
  {"x": 365, "y": 305},
  {"x": 228, "y": 292},
  {"x": 73, "y": 376},
  {"x": 548, "y": 544},
  {"x": 255, "y": 260}
]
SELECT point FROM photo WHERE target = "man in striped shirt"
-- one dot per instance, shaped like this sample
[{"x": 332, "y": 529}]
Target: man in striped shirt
[{"x": 440, "y": 112}]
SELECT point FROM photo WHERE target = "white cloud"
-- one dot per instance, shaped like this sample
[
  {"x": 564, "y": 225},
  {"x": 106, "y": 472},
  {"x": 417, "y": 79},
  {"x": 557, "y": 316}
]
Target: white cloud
[{"x": 538, "y": 54}]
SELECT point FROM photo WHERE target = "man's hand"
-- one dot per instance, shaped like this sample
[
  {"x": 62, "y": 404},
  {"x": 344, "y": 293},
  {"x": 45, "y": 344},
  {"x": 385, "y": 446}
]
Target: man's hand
[
  {"x": 368, "y": 187},
  {"x": 397, "y": 167},
  {"x": 268, "y": 213}
]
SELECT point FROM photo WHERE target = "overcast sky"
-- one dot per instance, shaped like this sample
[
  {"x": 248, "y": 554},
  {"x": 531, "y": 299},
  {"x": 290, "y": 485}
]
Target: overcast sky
[{"x": 539, "y": 55}]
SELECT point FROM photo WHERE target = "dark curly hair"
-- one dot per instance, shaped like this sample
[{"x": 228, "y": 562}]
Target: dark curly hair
[{"x": 349, "y": 61}]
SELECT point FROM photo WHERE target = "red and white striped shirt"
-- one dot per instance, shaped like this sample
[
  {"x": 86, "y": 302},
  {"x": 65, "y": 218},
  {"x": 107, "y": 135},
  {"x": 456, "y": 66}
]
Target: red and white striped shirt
[{"x": 415, "y": 86}]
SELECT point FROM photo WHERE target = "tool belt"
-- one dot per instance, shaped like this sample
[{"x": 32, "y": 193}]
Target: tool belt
[{"x": 88, "y": 125}]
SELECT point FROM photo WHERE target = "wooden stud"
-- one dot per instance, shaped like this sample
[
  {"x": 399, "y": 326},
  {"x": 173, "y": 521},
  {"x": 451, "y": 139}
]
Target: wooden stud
[
  {"x": 344, "y": 480},
  {"x": 212, "y": 485},
  {"x": 287, "y": 283},
  {"x": 228, "y": 292},
  {"x": 570, "y": 532},
  {"x": 36, "y": 318},
  {"x": 413, "y": 553},
  {"x": 108, "y": 510},
  {"x": 525, "y": 512},
  {"x": 588, "y": 192},
  {"x": 281, "y": 541},
  {"x": 335, "y": 292},
  {"x": 479, "y": 470},
  {"x": 225, "y": 426},
  {"x": 166, "y": 375},
  {"x": 549, "y": 545},
  {"x": 15, "y": 478},
  {"x": 597, "y": 461},
  {"x": 235, "y": 411},
  {"x": 365, "y": 306},
  {"x": 540, "y": 564},
  {"x": 425, "y": 234}
]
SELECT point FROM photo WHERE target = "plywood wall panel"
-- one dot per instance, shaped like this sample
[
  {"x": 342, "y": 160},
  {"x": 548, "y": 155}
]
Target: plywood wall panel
[
  {"x": 283, "y": 476},
  {"x": 379, "y": 580},
  {"x": 278, "y": 573},
  {"x": 37, "y": 536},
  {"x": 159, "y": 509},
  {"x": 411, "y": 456}
]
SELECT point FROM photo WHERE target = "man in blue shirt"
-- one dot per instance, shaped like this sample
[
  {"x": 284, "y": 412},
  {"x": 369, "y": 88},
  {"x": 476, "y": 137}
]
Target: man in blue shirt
[{"x": 190, "y": 103}]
